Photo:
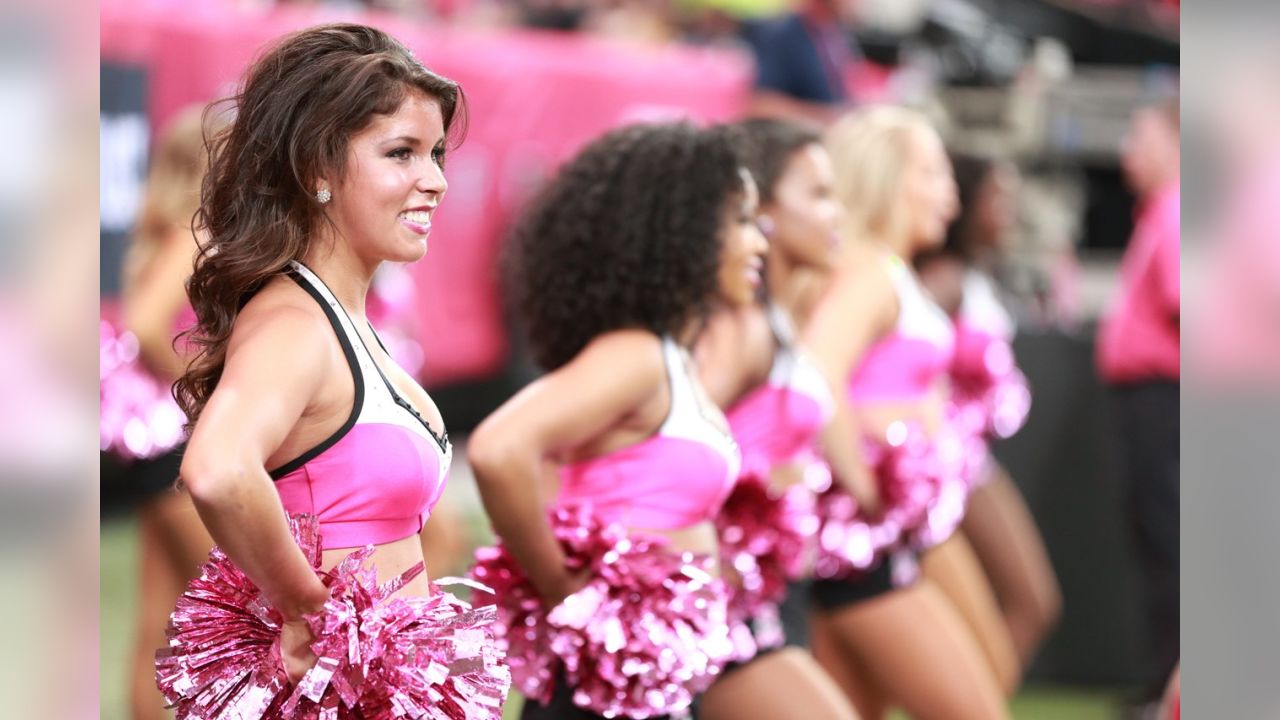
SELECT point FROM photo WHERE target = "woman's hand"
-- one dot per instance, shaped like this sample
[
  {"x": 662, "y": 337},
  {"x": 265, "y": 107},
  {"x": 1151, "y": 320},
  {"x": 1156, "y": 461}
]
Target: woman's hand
[
  {"x": 295, "y": 649},
  {"x": 869, "y": 503},
  {"x": 862, "y": 486},
  {"x": 786, "y": 476},
  {"x": 570, "y": 583}
]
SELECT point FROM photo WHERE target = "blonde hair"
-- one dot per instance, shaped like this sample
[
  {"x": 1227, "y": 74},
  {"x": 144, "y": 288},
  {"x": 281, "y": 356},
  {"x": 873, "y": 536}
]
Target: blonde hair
[
  {"x": 869, "y": 148},
  {"x": 172, "y": 191}
]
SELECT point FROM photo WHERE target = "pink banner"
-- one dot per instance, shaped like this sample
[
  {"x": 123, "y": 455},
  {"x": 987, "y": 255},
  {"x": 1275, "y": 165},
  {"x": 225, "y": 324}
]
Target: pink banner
[{"x": 534, "y": 99}]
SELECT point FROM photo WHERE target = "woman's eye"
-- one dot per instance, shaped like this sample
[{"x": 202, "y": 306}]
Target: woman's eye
[
  {"x": 438, "y": 156},
  {"x": 399, "y": 153}
]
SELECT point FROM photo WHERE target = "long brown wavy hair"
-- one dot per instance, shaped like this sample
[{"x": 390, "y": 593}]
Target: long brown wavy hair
[
  {"x": 172, "y": 191},
  {"x": 299, "y": 105}
]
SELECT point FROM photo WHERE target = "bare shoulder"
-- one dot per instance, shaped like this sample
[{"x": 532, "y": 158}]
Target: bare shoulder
[
  {"x": 861, "y": 283},
  {"x": 630, "y": 355},
  {"x": 859, "y": 304},
  {"x": 617, "y": 381},
  {"x": 282, "y": 317},
  {"x": 862, "y": 263}
]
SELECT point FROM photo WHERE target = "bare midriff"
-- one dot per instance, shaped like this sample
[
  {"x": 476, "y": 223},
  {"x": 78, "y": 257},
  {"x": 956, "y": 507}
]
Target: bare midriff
[
  {"x": 699, "y": 539},
  {"x": 390, "y": 559}
]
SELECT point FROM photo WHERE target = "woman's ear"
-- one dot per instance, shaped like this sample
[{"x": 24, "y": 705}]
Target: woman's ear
[{"x": 766, "y": 224}]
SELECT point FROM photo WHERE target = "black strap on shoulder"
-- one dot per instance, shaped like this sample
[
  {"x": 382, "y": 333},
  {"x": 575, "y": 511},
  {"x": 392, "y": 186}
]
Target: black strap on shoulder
[{"x": 350, "y": 352}]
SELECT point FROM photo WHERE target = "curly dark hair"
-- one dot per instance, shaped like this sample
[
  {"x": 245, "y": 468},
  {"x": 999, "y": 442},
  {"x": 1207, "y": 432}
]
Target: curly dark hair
[
  {"x": 766, "y": 145},
  {"x": 299, "y": 106},
  {"x": 971, "y": 171},
  {"x": 627, "y": 235}
]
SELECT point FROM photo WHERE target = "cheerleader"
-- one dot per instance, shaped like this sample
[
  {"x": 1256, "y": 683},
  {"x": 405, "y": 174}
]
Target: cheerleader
[
  {"x": 308, "y": 439},
  {"x": 172, "y": 542},
  {"x": 884, "y": 347},
  {"x": 997, "y": 522},
  {"x": 613, "y": 608},
  {"x": 776, "y": 404}
]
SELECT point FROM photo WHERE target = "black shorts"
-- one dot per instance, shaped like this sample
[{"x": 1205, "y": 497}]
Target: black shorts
[
  {"x": 794, "y": 613},
  {"x": 127, "y": 483},
  {"x": 793, "y": 617},
  {"x": 733, "y": 665},
  {"x": 561, "y": 706},
  {"x": 831, "y": 595},
  {"x": 159, "y": 474}
]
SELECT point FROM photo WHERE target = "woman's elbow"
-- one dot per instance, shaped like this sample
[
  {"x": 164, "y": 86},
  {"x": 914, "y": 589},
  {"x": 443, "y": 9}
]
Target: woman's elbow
[
  {"x": 210, "y": 478},
  {"x": 491, "y": 452}
]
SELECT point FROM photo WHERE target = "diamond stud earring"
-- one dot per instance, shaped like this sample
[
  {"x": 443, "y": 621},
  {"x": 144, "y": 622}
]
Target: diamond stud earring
[{"x": 323, "y": 196}]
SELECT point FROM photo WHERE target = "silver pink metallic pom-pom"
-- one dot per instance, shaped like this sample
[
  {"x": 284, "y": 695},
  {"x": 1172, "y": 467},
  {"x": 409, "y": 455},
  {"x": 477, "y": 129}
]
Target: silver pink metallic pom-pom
[
  {"x": 958, "y": 457},
  {"x": 992, "y": 393},
  {"x": 647, "y": 632},
  {"x": 138, "y": 417},
  {"x": 910, "y": 478},
  {"x": 764, "y": 536},
  {"x": 379, "y": 656}
]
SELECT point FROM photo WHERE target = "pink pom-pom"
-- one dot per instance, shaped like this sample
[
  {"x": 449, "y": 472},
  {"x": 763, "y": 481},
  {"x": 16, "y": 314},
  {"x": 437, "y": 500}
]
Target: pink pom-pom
[
  {"x": 764, "y": 537},
  {"x": 647, "y": 632},
  {"x": 957, "y": 457},
  {"x": 917, "y": 481},
  {"x": 138, "y": 417},
  {"x": 991, "y": 392},
  {"x": 1010, "y": 403},
  {"x": 379, "y": 656}
]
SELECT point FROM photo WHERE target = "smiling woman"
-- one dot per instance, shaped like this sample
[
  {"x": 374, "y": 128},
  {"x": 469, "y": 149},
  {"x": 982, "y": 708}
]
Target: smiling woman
[
  {"x": 611, "y": 605},
  {"x": 393, "y": 182},
  {"x": 308, "y": 440}
]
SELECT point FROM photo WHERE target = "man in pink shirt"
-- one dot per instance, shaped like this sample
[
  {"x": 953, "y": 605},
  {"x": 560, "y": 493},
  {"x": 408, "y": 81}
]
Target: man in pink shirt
[{"x": 1138, "y": 355}]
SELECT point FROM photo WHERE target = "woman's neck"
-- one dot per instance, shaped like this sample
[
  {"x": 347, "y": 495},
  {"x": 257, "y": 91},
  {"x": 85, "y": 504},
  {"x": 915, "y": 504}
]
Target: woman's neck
[
  {"x": 687, "y": 336},
  {"x": 780, "y": 274},
  {"x": 790, "y": 284},
  {"x": 345, "y": 274},
  {"x": 901, "y": 247}
]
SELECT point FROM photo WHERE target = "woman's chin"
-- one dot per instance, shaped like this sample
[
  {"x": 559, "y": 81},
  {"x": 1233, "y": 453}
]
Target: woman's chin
[{"x": 409, "y": 251}]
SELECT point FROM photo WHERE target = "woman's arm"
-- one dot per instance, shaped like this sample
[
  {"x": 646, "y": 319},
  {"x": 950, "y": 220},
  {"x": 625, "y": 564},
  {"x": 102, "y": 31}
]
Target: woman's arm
[
  {"x": 260, "y": 397},
  {"x": 612, "y": 378},
  {"x": 858, "y": 306},
  {"x": 154, "y": 298}
]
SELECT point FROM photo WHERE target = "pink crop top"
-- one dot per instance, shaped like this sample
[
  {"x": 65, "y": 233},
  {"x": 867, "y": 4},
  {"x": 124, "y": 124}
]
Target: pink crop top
[
  {"x": 779, "y": 421},
  {"x": 675, "y": 478},
  {"x": 984, "y": 329},
  {"x": 376, "y": 479},
  {"x": 903, "y": 365}
]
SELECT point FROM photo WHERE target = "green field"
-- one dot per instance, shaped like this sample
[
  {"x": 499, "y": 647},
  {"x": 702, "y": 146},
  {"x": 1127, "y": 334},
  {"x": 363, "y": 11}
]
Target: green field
[{"x": 118, "y": 581}]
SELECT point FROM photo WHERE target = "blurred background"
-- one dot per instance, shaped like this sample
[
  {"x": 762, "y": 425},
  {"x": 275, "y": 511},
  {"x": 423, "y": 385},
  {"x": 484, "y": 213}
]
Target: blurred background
[{"x": 1050, "y": 84}]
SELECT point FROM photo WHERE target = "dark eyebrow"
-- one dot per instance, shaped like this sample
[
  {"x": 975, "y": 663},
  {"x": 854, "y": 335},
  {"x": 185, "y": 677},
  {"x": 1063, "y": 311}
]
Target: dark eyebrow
[
  {"x": 410, "y": 140},
  {"x": 404, "y": 139}
]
